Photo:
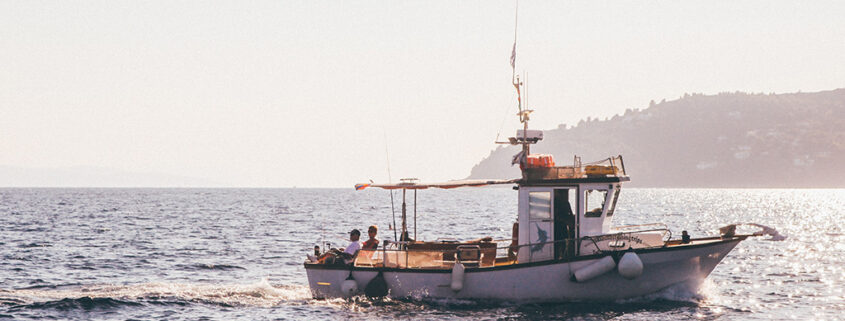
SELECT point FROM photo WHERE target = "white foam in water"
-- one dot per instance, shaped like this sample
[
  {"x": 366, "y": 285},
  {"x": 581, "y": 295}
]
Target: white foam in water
[
  {"x": 677, "y": 292},
  {"x": 260, "y": 294}
]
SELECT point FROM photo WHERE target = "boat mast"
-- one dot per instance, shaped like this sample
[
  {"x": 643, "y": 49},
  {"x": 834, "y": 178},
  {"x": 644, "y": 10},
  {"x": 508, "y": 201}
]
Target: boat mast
[{"x": 523, "y": 113}]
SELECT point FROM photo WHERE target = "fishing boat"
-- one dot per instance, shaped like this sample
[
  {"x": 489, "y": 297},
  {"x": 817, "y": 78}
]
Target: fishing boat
[{"x": 564, "y": 245}]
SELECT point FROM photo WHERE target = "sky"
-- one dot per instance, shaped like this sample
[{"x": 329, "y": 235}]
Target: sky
[{"x": 323, "y": 93}]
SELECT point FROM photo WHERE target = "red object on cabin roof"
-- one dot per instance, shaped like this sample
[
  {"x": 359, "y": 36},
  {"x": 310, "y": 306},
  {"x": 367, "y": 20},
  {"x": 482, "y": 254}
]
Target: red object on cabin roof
[{"x": 540, "y": 161}]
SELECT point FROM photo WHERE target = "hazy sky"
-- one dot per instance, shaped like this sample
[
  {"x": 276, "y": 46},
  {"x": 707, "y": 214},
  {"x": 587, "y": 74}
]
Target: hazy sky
[{"x": 303, "y": 93}]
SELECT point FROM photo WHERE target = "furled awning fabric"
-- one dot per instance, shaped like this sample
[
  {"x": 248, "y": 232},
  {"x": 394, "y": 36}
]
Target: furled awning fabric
[{"x": 444, "y": 185}]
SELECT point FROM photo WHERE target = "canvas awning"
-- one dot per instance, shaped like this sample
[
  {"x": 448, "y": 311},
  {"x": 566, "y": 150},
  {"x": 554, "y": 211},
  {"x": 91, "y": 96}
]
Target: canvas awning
[{"x": 444, "y": 185}]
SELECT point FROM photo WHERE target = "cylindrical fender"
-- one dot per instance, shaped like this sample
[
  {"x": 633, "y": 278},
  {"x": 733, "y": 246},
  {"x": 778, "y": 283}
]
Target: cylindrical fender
[
  {"x": 589, "y": 272},
  {"x": 457, "y": 277},
  {"x": 630, "y": 266},
  {"x": 349, "y": 287}
]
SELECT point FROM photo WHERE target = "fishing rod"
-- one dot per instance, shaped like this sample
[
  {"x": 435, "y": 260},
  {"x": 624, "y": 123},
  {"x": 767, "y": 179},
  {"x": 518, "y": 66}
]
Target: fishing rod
[{"x": 390, "y": 181}]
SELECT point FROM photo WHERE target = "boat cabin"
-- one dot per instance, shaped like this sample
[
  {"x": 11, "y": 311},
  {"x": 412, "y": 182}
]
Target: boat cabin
[{"x": 560, "y": 205}]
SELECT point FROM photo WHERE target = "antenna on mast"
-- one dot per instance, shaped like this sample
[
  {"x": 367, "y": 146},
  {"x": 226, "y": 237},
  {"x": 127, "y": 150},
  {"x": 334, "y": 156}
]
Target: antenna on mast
[
  {"x": 523, "y": 137},
  {"x": 514, "y": 78}
]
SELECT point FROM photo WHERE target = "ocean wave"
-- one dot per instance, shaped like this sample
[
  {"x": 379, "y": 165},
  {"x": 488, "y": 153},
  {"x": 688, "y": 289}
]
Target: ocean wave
[
  {"x": 46, "y": 286},
  {"x": 81, "y": 303},
  {"x": 259, "y": 294},
  {"x": 11, "y": 301},
  {"x": 35, "y": 244},
  {"x": 204, "y": 266}
]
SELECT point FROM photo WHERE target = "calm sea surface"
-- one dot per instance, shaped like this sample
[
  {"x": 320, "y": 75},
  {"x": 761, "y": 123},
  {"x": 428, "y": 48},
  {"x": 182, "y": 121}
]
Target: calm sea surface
[{"x": 222, "y": 254}]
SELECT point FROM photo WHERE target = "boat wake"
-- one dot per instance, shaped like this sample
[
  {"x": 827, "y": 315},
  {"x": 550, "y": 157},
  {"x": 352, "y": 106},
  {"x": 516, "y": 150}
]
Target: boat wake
[
  {"x": 259, "y": 294},
  {"x": 681, "y": 292},
  {"x": 262, "y": 294}
]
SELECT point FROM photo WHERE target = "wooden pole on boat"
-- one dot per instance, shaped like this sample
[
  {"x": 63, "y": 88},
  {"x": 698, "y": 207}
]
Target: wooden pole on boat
[
  {"x": 525, "y": 147},
  {"x": 415, "y": 215},
  {"x": 393, "y": 213},
  {"x": 403, "y": 236}
]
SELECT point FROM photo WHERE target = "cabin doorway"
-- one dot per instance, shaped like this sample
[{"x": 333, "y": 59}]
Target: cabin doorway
[{"x": 564, "y": 221}]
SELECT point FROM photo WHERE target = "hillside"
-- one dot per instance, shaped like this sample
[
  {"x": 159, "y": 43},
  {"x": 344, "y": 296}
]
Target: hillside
[{"x": 724, "y": 140}]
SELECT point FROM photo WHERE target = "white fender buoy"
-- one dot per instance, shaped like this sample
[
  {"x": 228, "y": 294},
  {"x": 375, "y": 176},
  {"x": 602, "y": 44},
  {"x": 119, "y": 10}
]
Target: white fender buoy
[
  {"x": 630, "y": 266},
  {"x": 349, "y": 287},
  {"x": 458, "y": 277},
  {"x": 593, "y": 270}
]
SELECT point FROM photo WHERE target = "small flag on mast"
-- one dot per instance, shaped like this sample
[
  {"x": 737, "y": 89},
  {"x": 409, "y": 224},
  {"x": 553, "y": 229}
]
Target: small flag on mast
[{"x": 513, "y": 56}]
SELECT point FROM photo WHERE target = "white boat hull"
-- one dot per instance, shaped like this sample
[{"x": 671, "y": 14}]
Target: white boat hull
[{"x": 537, "y": 282}]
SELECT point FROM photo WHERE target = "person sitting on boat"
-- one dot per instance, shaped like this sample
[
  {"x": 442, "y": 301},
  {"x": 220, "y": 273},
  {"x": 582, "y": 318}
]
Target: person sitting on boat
[
  {"x": 372, "y": 243},
  {"x": 354, "y": 245},
  {"x": 343, "y": 255}
]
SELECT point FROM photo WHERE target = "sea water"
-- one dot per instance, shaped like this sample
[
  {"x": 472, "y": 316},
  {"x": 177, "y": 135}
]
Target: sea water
[{"x": 223, "y": 254}]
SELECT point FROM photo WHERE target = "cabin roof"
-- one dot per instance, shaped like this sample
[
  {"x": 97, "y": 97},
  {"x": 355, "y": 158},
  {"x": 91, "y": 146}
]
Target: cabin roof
[{"x": 574, "y": 181}]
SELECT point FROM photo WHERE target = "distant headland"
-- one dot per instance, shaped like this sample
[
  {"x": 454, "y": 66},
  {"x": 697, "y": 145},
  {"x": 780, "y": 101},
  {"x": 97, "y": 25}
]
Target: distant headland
[{"x": 725, "y": 140}]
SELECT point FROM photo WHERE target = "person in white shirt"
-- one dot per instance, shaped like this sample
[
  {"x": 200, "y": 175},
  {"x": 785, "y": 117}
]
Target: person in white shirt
[
  {"x": 354, "y": 244},
  {"x": 346, "y": 255}
]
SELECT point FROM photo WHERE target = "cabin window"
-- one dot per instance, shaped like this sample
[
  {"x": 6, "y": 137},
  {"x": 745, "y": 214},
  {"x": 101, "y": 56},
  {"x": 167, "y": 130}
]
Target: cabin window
[
  {"x": 613, "y": 203},
  {"x": 594, "y": 199},
  {"x": 540, "y": 226},
  {"x": 540, "y": 205}
]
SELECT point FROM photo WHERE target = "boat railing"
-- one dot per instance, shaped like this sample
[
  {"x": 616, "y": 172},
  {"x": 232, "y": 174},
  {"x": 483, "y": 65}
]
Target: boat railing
[
  {"x": 638, "y": 227},
  {"x": 488, "y": 254},
  {"x": 402, "y": 255},
  {"x": 638, "y": 239},
  {"x": 612, "y": 166},
  {"x": 421, "y": 258}
]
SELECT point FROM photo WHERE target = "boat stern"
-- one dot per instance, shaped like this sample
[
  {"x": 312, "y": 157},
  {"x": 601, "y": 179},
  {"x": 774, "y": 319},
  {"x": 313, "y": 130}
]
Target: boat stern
[{"x": 325, "y": 282}]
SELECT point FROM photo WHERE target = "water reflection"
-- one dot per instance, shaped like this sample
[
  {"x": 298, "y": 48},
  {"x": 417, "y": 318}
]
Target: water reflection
[{"x": 202, "y": 253}]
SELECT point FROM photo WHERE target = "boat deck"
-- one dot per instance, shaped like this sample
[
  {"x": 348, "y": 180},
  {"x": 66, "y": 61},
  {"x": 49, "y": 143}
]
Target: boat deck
[{"x": 437, "y": 256}]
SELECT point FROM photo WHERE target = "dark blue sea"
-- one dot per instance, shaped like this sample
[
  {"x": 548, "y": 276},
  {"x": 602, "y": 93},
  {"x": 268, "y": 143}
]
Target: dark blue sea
[{"x": 229, "y": 254}]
